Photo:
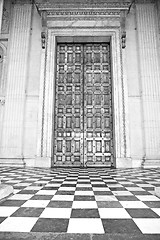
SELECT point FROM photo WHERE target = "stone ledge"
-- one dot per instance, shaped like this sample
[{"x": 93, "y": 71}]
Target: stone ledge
[
  {"x": 5, "y": 191},
  {"x": 157, "y": 191}
]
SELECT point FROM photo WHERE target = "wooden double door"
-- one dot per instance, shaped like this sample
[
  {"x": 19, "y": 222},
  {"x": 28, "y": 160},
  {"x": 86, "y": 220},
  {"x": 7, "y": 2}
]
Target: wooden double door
[{"x": 83, "y": 132}]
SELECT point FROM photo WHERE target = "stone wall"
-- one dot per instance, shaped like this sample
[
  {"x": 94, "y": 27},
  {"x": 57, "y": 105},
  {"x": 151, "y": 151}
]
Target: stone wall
[{"x": 21, "y": 96}]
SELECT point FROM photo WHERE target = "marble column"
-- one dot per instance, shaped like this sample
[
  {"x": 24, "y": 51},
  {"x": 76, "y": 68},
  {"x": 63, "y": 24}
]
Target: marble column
[
  {"x": 12, "y": 138},
  {"x": 147, "y": 28}
]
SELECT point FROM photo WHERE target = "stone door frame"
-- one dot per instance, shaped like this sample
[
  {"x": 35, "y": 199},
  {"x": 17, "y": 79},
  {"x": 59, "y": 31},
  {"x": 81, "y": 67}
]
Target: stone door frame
[{"x": 46, "y": 97}]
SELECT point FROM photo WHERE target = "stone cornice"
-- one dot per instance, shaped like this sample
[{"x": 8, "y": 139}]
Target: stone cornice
[{"x": 114, "y": 5}]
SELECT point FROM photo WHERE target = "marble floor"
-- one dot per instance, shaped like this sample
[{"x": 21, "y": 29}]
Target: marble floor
[{"x": 90, "y": 202}]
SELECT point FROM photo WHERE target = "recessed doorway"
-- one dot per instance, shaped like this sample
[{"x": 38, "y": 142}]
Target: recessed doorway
[{"x": 83, "y": 116}]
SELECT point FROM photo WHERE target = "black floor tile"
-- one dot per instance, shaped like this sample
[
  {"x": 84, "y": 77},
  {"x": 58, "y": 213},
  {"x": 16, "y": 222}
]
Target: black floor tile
[
  {"x": 47, "y": 188},
  {"x": 84, "y": 189},
  {"x": 2, "y": 219},
  {"x": 68, "y": 185},
  {"x": 13, "y": 203},
  {"x": 84, "y": 198},
  {"x": 103, "y": 193},
  {"x": 152, "y": 204},
  {"x": 109, "y": 204},
  {"x": 60, "y": 204},
  {"x": 28, "y": 191},
  {"x": 117, "y": 188},
  {"x": 120, "y": 226},
  {"x": 65, "y": 193},
  {"x": 142, "y": 213},
  {"x": 28, "y": 212},
  {"x": 51, "y": 225},
  {"x": 85, "y": 213},
  {"x": 140, "y": 193},
  {"x": 41, "y": 197},
  {"x": 127, "y": 198}
]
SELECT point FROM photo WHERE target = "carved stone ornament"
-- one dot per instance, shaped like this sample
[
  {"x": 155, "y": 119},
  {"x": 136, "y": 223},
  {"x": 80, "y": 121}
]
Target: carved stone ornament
[
  {"x": 43, "y": 39},
  {"x": 77, "y": 8},
  {"x": 2, "y": 101},
  {"x": 5, "y": 21}
]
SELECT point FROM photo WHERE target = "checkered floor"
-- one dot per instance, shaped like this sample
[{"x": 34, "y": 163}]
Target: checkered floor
[{"x": 119, "y": 201}]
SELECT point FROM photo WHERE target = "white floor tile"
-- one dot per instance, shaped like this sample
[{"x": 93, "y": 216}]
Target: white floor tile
[
  {"x": 63, "y": 198},
  {"x": 156, "y": 210},
  {"x": 133, "y": 204},
  {"x": 83, "y": 180},
  {"x": 122, "y": 193},
  {"x": 144, "y": 185},
  {"x": 67, "y": 189},
  {"x": 113, "y": 213},
  {"x": 106, "y": 198},
  {"x": 6, "y": 211},
  {"x": 99, "y": 183},
  {"x": 21, "y": 197},
  {"x": 46, "y": 192},
  {"x": 70, "y": 182},
  {"x": 36, "y": 203},
  {"x": 56, "y": 213},
  {"x": 100, "y": 189},
  {"x": 33, "y": 187},
  {"x": 147, "y": 198},
  {"x": 84, "y": 204},
  {"x": 17, "y": 224},
  {"x": 83, "y": 185},
  {"x": 148, "y": 225},
  {"x": 114, "y": 185},
  {"x": 53, "y": 185},
  {"x": 84, "y": 193},
  {"x": 85, "y": 225},
  {"x": 135, "y": 189},
  {"x": 22, "y": 184}
]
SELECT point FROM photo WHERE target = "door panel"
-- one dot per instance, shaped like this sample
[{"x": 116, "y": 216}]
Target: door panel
[
  {"x": 68, "y": 143},
  {"x": 83, "y": 116},
  {"x": 97, "y": 105}
]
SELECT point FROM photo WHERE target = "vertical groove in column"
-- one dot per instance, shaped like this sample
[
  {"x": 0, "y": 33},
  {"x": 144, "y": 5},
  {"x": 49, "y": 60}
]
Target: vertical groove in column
[
  {"x": 148, "y": 49},
  {"x": 15, "y": 93}
]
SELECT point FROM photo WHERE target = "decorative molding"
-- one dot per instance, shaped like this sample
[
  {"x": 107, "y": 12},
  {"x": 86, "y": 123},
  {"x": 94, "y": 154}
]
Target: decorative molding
[
  {"x": 5, "y": 21},
  {"x": 2, "y": 100},
  {"x": 43, "y": 39},
  {"x": 22, "y": 1},
  {"x": 91, "y": 12},
  {"x": 144, "y": 1},
  {"x": 48, "y": 5}
]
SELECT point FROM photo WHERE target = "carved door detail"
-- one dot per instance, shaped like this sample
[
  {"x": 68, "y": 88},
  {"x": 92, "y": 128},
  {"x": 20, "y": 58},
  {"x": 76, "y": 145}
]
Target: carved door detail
[{"x": 83, "y": 113}]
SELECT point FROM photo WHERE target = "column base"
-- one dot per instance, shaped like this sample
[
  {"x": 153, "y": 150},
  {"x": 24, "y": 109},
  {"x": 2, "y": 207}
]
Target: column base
[
  {"x": 128, "y": 163},
  {"x": 43, "y": 162},
  {"x": 151, "y": 163},
  {"x": 12, "y": 162}
]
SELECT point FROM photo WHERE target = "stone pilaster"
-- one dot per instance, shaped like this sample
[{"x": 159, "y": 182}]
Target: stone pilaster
[
  {"x": 12, "y": 141},
  {"x": 147, "y": 27},
  {"x": 1, "y": 13}
]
